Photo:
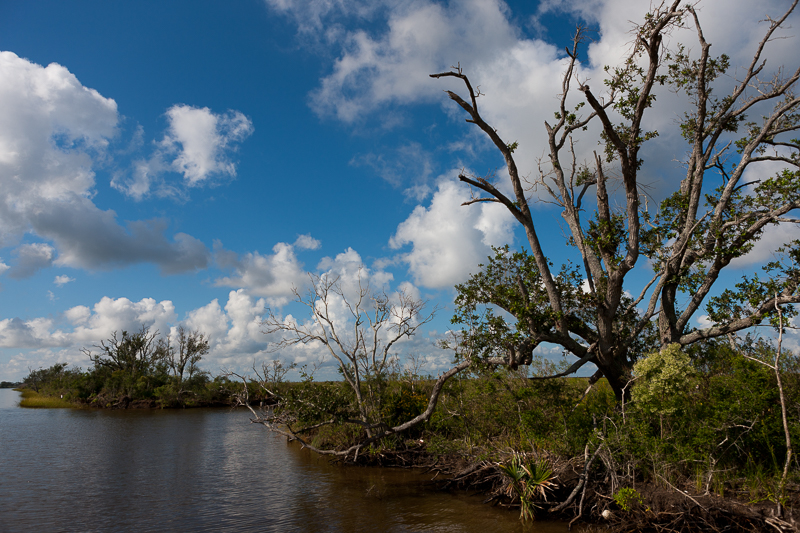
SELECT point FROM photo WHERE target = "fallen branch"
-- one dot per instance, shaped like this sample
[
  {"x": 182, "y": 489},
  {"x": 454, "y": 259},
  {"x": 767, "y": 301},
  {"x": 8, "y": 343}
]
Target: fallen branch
[
  {"x": 286, "y": 431},
  {"x": 581, "y": 482},
  {"x": 680, "y": 491}
]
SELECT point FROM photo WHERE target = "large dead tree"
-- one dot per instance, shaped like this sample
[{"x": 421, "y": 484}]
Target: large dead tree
[
  {"x": 359, "y": 329},
  {"x": 712, "y": 218}
]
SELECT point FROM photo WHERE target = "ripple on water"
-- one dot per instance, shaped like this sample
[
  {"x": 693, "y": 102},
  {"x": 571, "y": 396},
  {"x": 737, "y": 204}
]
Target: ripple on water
[{"x": 204, "y": 470}]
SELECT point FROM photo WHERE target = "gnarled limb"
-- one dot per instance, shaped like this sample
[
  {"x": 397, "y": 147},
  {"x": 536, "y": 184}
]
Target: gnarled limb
[
  {"x": 694, "y": 236},
  {"x": 274, "y": 423}
]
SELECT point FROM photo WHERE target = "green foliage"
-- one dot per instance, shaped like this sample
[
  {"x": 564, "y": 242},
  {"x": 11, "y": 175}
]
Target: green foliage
[
  {"x": 337, "y": 436},
  {"x": 723, "y": 425},
  {"x": 504, "y": 310},
  {"x": 527, "y": 480},
  {"x": 53, "y": 377},
  {"x": 402, "y": 405},
  {"x": 512, "y": 282},
  {"x": 626, "y": 83},
  {"x": 506, "y": 409},
  {"x": 705, "y": 415},
  {"x": 628, "y": 499},
  {"x": 311, "y": 403},
  {"x": 131, "y": 356},
  {"x": 662, "y": 380},
  {"x": 510, "y": 307},
  {"x": 132, "y": 367},
  {"x": 749, "y": 294},
  {"x": 607, "y": 237}
]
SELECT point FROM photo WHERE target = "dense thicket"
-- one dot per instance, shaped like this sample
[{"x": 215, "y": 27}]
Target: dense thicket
[
  {"x": 727, "y": 416},
  {"x": 706, "y": 421}
]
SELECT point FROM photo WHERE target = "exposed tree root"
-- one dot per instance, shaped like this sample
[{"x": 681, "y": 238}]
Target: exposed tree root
[{"x": 576, "y": 498}]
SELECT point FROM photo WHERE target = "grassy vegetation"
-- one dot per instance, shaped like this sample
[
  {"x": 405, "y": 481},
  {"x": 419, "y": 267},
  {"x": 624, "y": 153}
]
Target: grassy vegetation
[{"x": 35, "y": 400}]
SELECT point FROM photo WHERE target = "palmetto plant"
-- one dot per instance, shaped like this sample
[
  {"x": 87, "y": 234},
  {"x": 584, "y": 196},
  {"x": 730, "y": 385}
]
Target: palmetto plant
[{"x": 528, "y": 480}]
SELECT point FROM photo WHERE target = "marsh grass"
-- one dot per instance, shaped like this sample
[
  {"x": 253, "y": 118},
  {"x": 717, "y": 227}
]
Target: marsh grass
[{"x": 35, "y": 400}]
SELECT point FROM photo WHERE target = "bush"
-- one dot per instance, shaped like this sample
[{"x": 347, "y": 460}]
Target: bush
[
  {"x": 663, "y": 379},
  {"x": 403, "y": 405}
]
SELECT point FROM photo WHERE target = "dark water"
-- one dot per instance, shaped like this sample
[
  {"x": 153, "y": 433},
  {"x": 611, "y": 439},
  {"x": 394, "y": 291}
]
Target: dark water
[{"x": 205, "y": 470}]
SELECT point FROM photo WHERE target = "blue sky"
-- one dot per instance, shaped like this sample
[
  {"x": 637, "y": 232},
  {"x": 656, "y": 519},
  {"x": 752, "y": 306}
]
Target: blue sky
[{"x": 187, "y": 162}]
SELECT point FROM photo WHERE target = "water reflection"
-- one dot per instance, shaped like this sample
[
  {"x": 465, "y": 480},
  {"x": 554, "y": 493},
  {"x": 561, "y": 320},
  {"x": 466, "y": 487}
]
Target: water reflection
[{"x": 204, "y": 470}]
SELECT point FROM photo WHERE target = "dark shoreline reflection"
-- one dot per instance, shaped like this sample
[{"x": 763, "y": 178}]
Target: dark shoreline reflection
[{"x": 204, "y": 470}]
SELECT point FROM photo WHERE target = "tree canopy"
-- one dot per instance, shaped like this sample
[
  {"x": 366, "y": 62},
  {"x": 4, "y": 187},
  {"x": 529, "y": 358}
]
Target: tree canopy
[{"x": 738, "y": 126}]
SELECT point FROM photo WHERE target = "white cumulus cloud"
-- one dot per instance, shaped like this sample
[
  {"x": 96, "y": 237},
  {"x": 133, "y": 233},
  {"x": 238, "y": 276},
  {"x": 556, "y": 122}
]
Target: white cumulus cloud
[
  {"x": 421, "y": 38},
  {"x": 448, "y": 241},
  {"x": 384, "y": 55},
  {"x": 202, "y": 139},
  {"x": 35, "y": 333},
  {"x": 52, "y": 131},
  {"x": 63, "y": 280},
  {"x": 198, "y": 144},
  {"x": 270, "y": 275},
  {"x": 307, "y": 242},
  {"x": 120, "y": 314}
]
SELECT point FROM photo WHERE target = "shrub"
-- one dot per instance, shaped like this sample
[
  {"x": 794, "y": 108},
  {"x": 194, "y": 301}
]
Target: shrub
[{"x": 662, "y": 380}]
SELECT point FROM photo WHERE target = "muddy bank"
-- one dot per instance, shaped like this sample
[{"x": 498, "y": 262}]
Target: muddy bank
[{"x": 649, "y": 507}]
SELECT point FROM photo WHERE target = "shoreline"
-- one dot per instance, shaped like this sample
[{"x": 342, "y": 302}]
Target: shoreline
[
  {"x": 31, "y": 399},
  {"x": 657, "y": 507}
]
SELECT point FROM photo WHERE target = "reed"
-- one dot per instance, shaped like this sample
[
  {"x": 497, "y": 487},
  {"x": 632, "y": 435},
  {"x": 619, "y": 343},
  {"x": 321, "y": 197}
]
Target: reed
[{"x": 35, "y": 400}]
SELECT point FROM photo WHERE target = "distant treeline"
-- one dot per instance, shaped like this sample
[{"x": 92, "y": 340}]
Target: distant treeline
[{"x": 138, "y": 369}]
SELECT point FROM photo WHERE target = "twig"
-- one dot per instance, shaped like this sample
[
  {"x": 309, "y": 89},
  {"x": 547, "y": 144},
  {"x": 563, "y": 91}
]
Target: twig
[
  {"x": 563, "y": 505},
  {"x": 681, "y": 492}
]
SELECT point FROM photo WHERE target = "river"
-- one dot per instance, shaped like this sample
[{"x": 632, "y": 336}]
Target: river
[{"x": 206, "y": 470}]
